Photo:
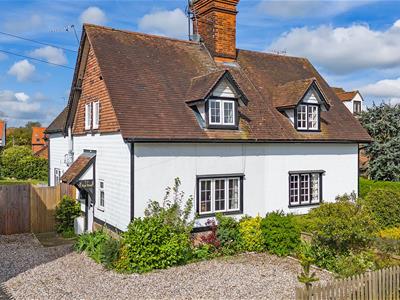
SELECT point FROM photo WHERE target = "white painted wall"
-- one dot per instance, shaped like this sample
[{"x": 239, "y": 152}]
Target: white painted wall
[
  {"x": 350, "y": 104},
  {"x": 265, "y": 166},
  {"x": 58, "y": 150},
  {"x": 112, "y": 166}
]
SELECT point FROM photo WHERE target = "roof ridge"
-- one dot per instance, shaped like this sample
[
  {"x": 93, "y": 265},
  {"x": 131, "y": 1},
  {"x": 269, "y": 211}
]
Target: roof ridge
[
  {"x": 273, "y": 54},
  {"x": 139, "y": 33}
]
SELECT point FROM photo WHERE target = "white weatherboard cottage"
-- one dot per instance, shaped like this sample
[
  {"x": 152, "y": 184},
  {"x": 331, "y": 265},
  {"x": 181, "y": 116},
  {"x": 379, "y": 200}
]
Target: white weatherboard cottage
[{"x": 244, "y": 135}]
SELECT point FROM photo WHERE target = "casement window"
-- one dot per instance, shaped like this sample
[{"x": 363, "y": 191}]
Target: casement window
[
  {"x": 305, "y": 188},
  {"x": 357, "y": 107},
  {"x": 57, "y": 176},
  {"x": 101, "y": 194},
  {"x": 92, "y": 115},
  {"x": 307, "y": 117},
  {"x": 96, "y": 114},
  {"x": 221, "y": 194},
  {"x": 221, "y": 112}
]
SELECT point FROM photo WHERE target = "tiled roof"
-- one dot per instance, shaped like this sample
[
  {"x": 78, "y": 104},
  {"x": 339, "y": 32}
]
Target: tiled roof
[
  {"x": 58, "y": 123},
  {"x": 347, "y": 96},
  {"x": 38, "y": 136},
  {"x": 78, "y": 167},
  {"x": 148, "y": 77}
]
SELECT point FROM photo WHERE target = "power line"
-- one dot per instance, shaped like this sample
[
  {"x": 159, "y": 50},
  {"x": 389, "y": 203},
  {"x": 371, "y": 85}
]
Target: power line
[
  {"x": 37, "y": 42},
  {"x": 37, "y": 59}
]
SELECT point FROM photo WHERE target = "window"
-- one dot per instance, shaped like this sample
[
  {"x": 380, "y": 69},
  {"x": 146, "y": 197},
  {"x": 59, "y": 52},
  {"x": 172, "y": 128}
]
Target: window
[
  {"x": 305, "y": 188},
  {"x": 307, "y": 117},
  {"x": 219, "y": 195},
  {"x": 57, "y": 176},
  {"x": 221, "y": 112},
  {"x": 88, "y": 116},
  {"x": 101, "y": 194},
  {"x": 356, "y": 107},
  {"x": 96, "y": 116}
]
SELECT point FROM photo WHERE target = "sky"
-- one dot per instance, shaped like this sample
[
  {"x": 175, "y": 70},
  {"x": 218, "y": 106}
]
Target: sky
[{"x": 353, "y": 44}]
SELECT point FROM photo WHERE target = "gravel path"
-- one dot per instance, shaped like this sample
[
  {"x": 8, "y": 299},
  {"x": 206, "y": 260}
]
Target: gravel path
[{"x": 75, "y": 276}]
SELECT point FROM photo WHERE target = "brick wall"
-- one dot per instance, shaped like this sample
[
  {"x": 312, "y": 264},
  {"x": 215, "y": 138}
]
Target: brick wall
[{"x": 94, "y": 89}]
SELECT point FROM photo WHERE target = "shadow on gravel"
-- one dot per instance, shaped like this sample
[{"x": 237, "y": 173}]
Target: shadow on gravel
[{"x": 22, "y": 252}]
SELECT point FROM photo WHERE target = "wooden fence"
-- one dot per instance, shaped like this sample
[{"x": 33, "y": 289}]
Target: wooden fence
[
  {"x": 378, "y": 285},
  {"x": 26, "y": 208}
]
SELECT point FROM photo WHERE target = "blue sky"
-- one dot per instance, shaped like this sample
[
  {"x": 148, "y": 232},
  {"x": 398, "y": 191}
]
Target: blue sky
[{"x": 354, "y": 44}]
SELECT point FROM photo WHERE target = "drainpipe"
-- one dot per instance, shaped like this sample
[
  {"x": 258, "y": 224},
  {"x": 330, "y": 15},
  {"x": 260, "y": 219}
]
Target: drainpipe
[{"x": 70, "y": 147}]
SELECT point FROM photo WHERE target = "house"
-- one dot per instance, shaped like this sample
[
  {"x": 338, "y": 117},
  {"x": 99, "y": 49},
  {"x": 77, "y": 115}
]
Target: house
[
  {"x": 352, "y": 100},
  {"x": 246, "y": 132},
  {"x": 3, "y": 126},
  {"x": 39, "y": 144}
]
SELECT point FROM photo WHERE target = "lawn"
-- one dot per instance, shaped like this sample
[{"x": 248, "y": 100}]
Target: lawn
[{"x": 367, "y": 185}]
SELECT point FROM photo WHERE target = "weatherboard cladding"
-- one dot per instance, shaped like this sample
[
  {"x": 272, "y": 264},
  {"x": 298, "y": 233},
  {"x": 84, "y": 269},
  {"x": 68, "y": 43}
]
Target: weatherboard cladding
[{"x": 147, "y": 78}]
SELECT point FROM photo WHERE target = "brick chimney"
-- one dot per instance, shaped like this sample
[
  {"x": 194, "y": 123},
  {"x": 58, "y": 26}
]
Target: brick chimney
[{"x": 215, "y": 22}]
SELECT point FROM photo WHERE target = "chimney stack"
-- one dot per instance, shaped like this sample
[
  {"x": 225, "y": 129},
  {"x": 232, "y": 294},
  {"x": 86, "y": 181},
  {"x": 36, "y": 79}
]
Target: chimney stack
[{"x": 215, "y": 22}]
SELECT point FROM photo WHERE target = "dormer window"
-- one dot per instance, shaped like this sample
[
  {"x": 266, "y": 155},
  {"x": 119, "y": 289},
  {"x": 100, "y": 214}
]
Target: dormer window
[
  {"x": 307, "y": 117},
  {"x": 221, "y": 112}
]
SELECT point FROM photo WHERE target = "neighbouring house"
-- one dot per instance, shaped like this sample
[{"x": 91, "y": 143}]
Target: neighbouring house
[
  {"x": 352, "y": 100},
  {"x": 246, "y": 132},
  {"x": 39, "y": 144},
  {"x": 3, "y": 127}
]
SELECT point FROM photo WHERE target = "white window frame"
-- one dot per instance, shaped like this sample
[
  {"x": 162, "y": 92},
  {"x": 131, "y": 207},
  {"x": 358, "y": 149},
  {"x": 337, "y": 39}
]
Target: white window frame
[
  {"x": 222, "y": 112},
  {"x": 305, "y": 114},
  {"x": 88, "y": 116},
  {"x": 357, "y": 104},
  {"x": 226, "y": 195},
  {"x": 96, "y": 114},
  {"x": 57, "y": 176},
  {"x": 100, "y": 205},
  {"x": 302, "y": 188}
]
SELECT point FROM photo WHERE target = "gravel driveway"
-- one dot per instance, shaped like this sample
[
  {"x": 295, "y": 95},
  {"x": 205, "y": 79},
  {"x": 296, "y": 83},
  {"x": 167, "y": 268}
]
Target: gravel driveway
[{"x": 31, "y": 271}]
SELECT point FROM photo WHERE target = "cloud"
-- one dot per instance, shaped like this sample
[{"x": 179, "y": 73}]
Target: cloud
[
  {"x": 299, "y": 9},
  {"x": 19, "y": 107},
  {"x": 386, "y": 88},
  {"x": 93, "y": 15},
  {"x": 172, "y": 23},
  {"x": 23, "y": 70},
  {"x": 344, "y": 49},
  {"x": 50, "y": 54}
]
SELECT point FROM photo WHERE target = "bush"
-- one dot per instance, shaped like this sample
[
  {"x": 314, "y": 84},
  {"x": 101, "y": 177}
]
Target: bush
[
  {"x": 384, "y": 206},
  {"x": 342, "y": 226},
  {"x": 162, "y": 238},
  {"x": 367, "y": 186},
  {"x": 390, "y": 233},
  {"x": 354, "y": 263},
  {"x": 251, "y": 234},
  {"x": 65, "y": 214},
  {"x": 228, "y": 234},
  {"x": 280, "y": 233},
  {"x": 20, "y": 163},
  {"x": 99, "y": 246}
]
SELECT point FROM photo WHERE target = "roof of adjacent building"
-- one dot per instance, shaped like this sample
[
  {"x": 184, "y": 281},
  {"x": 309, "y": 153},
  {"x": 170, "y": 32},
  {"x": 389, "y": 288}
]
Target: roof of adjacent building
[
  {"x": 2, "y": 126},
  {"x": 38, "y": 135},
  {"x": 58, "y": 123},
  {"x": 347, "y": 96},
  {"x": 148, "y": 78}
]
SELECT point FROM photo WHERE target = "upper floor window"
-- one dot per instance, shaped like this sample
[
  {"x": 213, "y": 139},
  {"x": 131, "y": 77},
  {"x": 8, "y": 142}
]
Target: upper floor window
[
  {"x": 307, "y": 117},
  {"x": 222, "y": 112},
  {"x": 357, "y": 107},
  {"x": 92, "y": 115}
]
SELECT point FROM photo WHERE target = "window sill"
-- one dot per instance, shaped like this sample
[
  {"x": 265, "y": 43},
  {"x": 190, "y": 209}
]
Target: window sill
[
  {"x": 304, "y": 205},
  {"x": 216, "y": 126},
  {"x": 100, "y": 209},
  {"x": 210, "y": 215}
]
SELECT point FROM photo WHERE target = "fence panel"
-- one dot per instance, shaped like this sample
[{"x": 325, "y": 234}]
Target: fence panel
[
  {"x": 14, "y": 209},
  {"x": 380, "y": 285},
  {"x": 25, "y": 208}
]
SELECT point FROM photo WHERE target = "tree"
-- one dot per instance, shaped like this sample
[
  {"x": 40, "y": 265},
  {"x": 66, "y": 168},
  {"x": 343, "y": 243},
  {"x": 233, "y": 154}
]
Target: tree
[
  {"x": 21, "y": 136},
  {"x": 383, "y": 124}
]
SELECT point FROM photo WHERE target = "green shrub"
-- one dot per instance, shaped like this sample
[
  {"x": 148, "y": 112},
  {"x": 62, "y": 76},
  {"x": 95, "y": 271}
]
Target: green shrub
[
  {"x": 384, "y": 206},
  {"x": 251, "y": 234},
  {"x": 354, "y": 263},
  {"x": 342, "y": 226},
  {"x": 203, "y": 252},
  {"x": 66, "y": 212},
  {"x": 20, "y": 163},
  {"x": 99, "y": 246},
  {"x": 228, "y": 234},
  {"x": 304, "y": 222},
  {"x": 367, "y": 186},
  {"x": 281, "y": 235},
  {"x": 162, "y": 238},
  {"x": 324, "y": 257}
]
